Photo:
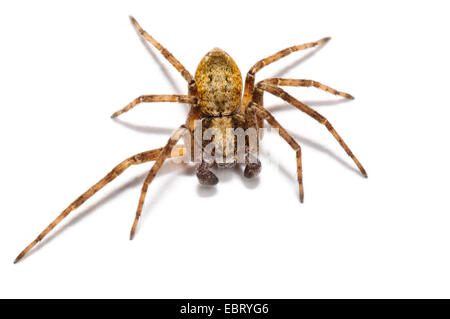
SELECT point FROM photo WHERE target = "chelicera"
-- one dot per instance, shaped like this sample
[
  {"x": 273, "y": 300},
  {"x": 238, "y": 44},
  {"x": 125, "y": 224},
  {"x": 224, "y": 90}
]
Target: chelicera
[{"x": 218, "y": 100}]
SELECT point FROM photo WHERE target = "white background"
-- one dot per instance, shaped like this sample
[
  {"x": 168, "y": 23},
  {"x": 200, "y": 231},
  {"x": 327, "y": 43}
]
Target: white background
[{"x": 65, "y": 67}]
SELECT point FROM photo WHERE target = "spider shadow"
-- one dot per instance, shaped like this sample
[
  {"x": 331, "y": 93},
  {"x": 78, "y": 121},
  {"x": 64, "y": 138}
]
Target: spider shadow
[
  {"x": 315, "y": 103},
  {"x": 306, "y": 141},
  {"x": 223, "y": 174},
  {"x": 144, "y": 128},
  {"x": 205, "y": 191},
  {"x": 310, "y": 143},
  {"x": 136, "y": 181},
  {"x": 251, "y": 183},
  {"x": 155, "y": 197}
]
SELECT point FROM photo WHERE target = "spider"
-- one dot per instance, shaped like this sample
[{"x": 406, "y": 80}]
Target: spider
[{"x": 216, "y": 102}]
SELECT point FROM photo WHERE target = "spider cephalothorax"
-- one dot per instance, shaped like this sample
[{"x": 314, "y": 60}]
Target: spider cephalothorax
[
  {"x": 219, "y": 84},
  {"x": 214, "y": 96}
]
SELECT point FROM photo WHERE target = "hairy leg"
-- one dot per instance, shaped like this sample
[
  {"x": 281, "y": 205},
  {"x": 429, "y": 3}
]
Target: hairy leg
[
  {"x": 305, "y": 83},
  {"x": 184, "y": 72},
  {"x": 315, "y": 115},
  {"x": 250, "y": 78},
  {"x": 258, "y": 98},
  {"x": 163, "y": 155},
  {"x": 194, "y": 112},
  {"x": 288, "y": 138},
  {"x": 116, "y": 171},
  {"x": 156, "y": 98},
  {"x": 256, "y": 121}
]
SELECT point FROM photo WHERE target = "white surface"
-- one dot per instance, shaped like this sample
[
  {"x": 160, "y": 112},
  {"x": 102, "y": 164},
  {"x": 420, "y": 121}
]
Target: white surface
[{"x": 66, "y": 67}]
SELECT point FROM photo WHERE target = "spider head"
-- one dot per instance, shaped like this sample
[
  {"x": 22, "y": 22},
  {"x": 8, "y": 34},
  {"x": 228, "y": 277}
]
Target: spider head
[{"x": 219, "y": 84}]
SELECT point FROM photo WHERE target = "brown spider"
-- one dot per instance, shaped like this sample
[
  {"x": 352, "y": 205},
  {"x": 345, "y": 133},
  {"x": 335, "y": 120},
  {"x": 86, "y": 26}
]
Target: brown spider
[{"x": 215, "y": 102}]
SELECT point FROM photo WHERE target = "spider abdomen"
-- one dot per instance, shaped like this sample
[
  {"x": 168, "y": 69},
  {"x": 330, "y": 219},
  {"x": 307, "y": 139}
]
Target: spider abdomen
[
  {"x": 219, "y": 84},
  {"x": 222, "y": 140}
]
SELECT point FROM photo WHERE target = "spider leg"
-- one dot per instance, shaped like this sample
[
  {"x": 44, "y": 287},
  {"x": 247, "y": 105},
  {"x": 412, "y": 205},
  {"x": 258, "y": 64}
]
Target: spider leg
[
  {"x": 258, "y": 94},
  {"x": 250, "y": 78},
  {"x": 116, "y": 171},
  {"x": 263, "y": 113},
  {"x": 184, "y": 72},
  {"x": 156, "y": 98},
  {"x": 258, "y": 98},
  {"x": 315, "y": 115},
  {"x": 163, "y": 155},
  {"x": 305, "y": 83}
]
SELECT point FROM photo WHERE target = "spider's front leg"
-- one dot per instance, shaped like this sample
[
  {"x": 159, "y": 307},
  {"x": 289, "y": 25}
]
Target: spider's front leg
[
  {"x": 263, "y": 113},
  {"x": 116, "y": 171},
  {"x": 163, "y": 155}
]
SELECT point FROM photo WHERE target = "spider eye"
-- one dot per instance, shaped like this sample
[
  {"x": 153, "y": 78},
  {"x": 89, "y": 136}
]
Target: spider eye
[{"x": 210, "y": 78}]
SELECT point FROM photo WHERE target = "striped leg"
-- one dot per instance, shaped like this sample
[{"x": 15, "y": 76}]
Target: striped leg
[
  {"x": 315, "y": 115},
  {"x": 156, "y": 98},
  {"x": 185, "y": 73},
  {"x": 263, "y": 113},
  {"x": 116, "y": 171},
  {"x": 163, "y": 155},
  {"x": 250, "y": 79},
  {"x": 305, "y": 83}
]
